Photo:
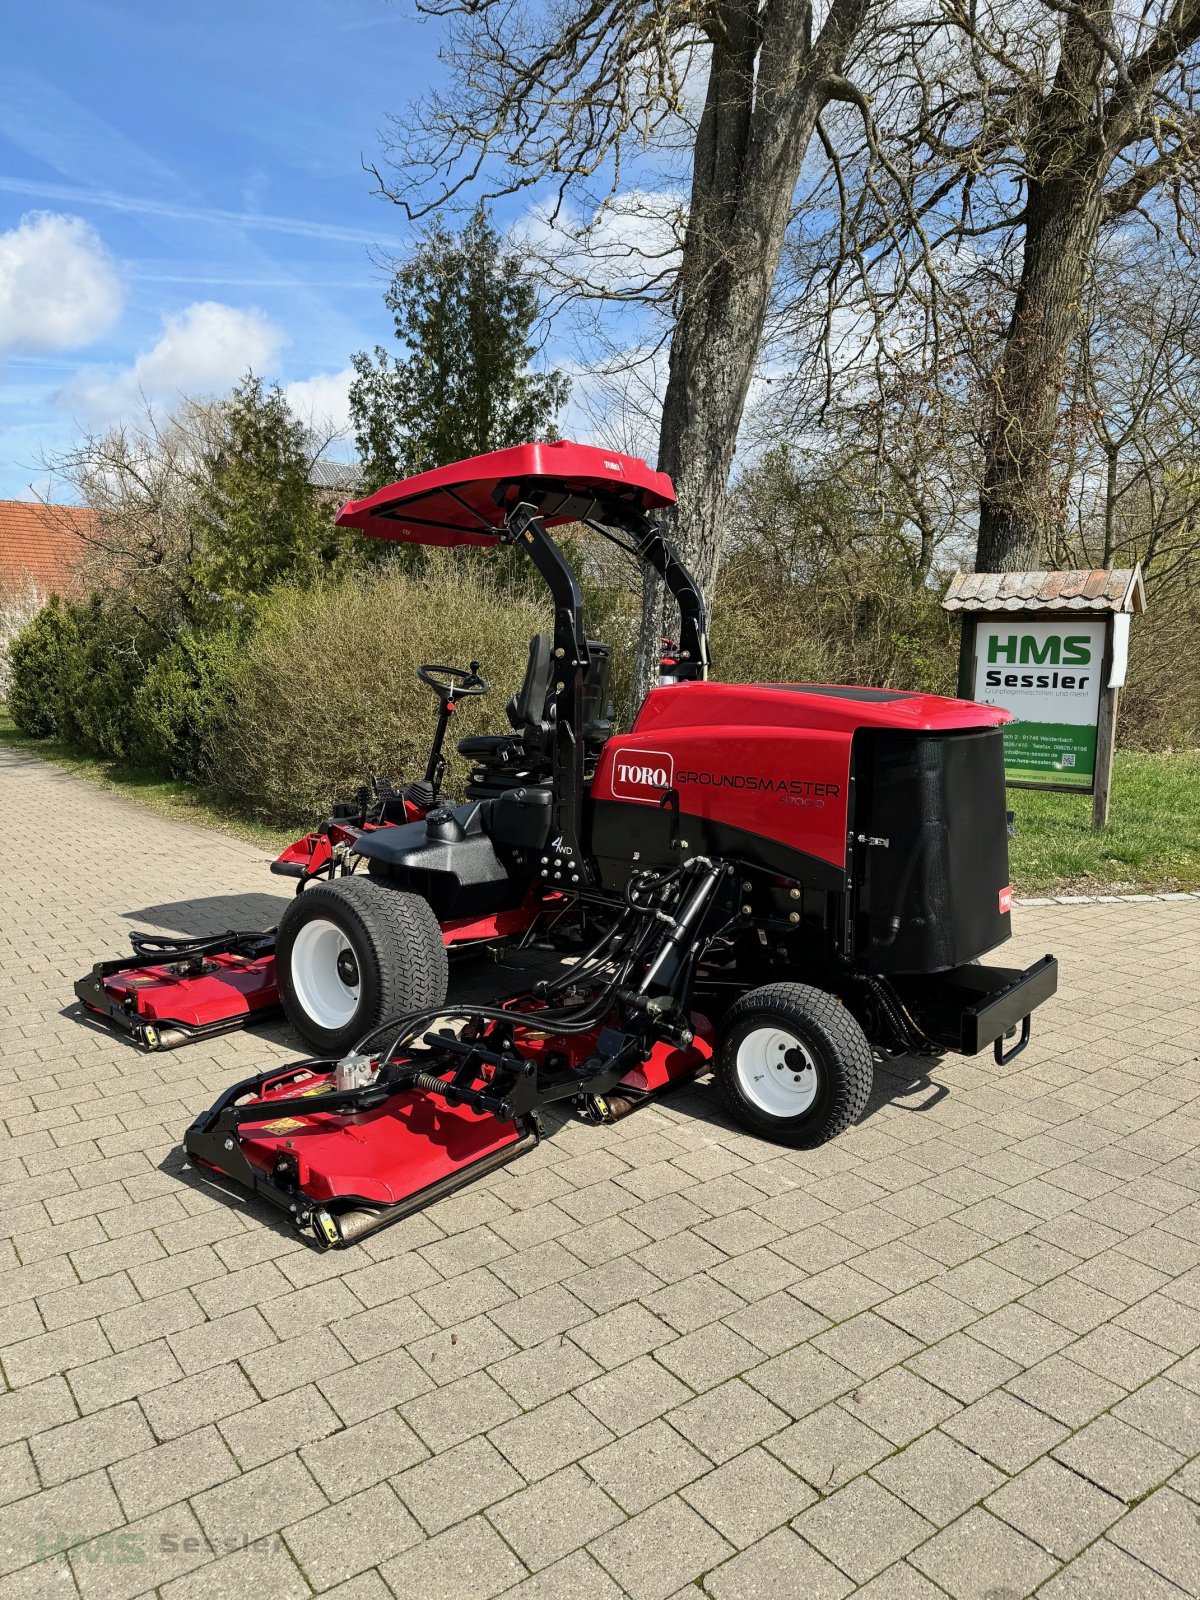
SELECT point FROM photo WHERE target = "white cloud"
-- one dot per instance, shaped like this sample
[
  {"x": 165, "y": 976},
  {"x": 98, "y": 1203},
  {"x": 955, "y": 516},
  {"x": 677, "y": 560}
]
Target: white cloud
[
  {"x": 631, "y": 244},
  {"x": 58, "y": 286},
  {"x": 204, "y": 350},
  {"x": 323, "y": 401}
]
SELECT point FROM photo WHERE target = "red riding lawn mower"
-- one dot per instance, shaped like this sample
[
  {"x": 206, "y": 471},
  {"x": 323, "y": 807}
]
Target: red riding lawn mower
[{"x": 771, "y": 879}]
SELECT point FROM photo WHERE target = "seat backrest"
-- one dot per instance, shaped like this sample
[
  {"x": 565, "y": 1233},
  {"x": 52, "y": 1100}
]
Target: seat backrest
[
  {"x": 596, "y": 722},
  {"x": 527, "y": 708}
]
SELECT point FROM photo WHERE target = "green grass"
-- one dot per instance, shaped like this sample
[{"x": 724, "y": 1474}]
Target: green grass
[
  {"x": 1152, "y": 841},
  {"x": 167, "y": 796}
]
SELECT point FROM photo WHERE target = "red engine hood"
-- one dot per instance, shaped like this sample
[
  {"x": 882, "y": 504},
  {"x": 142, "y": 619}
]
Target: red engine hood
[{"x": 833, "y": 708}]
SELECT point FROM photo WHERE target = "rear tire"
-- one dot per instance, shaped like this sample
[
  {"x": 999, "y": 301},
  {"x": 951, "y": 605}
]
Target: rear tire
[
  {"x": 793, "y": 1064},
  {"x": 352, "y": 952}
]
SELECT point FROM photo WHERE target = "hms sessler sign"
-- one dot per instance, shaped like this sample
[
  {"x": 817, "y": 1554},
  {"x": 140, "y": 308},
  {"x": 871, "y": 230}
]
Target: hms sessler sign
[{"x": 1048, "y": 674}]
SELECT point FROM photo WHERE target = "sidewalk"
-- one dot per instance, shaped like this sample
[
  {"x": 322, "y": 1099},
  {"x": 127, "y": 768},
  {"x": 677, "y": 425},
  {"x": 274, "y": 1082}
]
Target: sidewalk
[{"x": 954, "y": 1352}]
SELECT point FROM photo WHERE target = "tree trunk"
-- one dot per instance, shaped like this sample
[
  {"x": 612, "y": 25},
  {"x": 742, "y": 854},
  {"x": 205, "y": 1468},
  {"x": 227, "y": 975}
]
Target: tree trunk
[
  {"x": 1067, "y": 161},
  {"x": 1019, "y": 502},
  {"x": 767, "y": 85}
]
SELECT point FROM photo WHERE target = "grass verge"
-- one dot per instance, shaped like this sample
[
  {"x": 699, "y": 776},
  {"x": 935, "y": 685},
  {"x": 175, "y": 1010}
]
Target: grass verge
[
  {"x": 166, "y": 796},
  {"x": 1151, "y": 844}
]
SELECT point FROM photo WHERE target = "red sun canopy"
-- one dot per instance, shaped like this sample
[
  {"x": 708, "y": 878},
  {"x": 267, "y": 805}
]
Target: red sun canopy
[{"x": 457, "y": 505}]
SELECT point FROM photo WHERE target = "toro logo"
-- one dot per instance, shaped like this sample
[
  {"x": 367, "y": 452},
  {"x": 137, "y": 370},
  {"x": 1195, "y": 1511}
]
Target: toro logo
[
  {"x": 1006, "y": 900},
  {"x": 643, "y": 775}
]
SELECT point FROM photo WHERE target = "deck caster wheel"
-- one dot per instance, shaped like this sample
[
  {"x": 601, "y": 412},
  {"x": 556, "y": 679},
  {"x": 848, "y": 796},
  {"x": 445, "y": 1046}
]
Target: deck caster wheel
[
  {"x": 793, "y": 1064},
  {"x": 352, "y": 952}
]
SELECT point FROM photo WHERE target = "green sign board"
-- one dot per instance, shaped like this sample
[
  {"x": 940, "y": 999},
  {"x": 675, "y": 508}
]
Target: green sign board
[{"x": 1047, "y": 672}]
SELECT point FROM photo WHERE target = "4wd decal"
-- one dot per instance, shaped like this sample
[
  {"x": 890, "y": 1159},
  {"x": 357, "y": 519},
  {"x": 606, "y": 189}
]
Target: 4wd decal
[{"x": 644, "y": 775}]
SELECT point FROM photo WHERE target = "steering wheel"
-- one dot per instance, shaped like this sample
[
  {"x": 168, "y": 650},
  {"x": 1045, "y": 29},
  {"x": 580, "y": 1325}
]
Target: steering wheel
[{"x": 463, "y": 684}]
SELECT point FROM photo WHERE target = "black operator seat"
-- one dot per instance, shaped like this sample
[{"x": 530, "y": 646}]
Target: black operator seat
[{"x": 527, "y": 711}]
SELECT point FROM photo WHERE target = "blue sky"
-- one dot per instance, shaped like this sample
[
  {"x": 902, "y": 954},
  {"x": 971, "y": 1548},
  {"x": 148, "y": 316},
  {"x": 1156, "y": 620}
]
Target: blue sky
[{"x": 181, "y": 193}]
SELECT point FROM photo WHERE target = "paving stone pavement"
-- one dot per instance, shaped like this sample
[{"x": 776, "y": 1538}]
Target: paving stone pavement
[{"x": 954, "y": 1352}]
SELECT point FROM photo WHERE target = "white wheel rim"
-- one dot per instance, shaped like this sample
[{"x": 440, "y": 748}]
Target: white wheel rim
[
  {"x": 776, "y": 1072},
  {"x": 323, "y": 993}
]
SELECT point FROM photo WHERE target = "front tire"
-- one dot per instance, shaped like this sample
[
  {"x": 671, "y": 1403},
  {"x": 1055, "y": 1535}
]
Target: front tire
[
  {"x": 352, "y": 952},
  {"x": 793, "y": 1064}
]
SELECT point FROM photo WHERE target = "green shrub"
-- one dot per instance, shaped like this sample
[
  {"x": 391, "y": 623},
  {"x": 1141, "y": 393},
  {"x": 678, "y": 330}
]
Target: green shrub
[
  {"x": 100, "y": 674},
  {"x": 180, "y": 704},
  {"x": 37, "y": 660},
  {"x": 325, "y": 691}
]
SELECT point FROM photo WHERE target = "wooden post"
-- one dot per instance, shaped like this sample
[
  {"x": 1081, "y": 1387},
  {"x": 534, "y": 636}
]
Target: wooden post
[{"x": 1106, "y": 741}]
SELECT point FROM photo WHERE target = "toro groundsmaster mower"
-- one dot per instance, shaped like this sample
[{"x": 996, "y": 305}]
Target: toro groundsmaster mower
[{"x": 774, "y": 879}]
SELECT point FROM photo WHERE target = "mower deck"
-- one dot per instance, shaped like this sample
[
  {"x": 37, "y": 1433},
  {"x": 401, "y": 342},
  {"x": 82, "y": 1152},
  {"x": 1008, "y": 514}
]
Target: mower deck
[
  {"x": 344, "y": 1161},
  {"x": 171, "y": 991}
]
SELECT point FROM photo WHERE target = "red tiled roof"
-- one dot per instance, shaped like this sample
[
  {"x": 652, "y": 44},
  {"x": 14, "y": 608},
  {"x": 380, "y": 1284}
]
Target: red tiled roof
[{"x": 42, "y": 543}]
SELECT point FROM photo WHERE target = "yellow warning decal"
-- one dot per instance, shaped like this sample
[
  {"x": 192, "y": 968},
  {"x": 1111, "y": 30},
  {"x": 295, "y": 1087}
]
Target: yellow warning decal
[{"x": 284, "y": 1125}]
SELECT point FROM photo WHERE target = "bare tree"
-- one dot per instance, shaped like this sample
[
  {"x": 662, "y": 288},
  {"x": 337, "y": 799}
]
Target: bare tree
[{"x": 564, "y": 98}]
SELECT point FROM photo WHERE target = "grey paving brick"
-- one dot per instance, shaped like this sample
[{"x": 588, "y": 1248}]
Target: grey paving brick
[
  {"x": 295, "y": 1362},
  {"x": 136, "y": 1325},
  {"x": 660, "y": 1550},
  {"x": 35, "y": 1408},
  {"x": 266, "y": 1569},
  {"x": 899, "y": 1404},
  {"x": 1055, "y": 1508},
  {"x": 633, "y": 1394},
  {"x": 1103, "y": 1572},
  {"x": 645, "y": 1465},
  {"x": 1005, "y": 1430},
  {"x": 351, "y": 1536},
  {"x": 748, "y": 1496},
  {"x": 459, "y": 1410},
  {"x": 141, "y": 1556},
  {"x": 544, "y": 1371},
  {"x": 693, "y": 1302},
  {"x": 18, "y": 1476},
  {"x": 78, "y": 1302},
  {"x": 725, "y": 1421},
  {"x": 555, "y": 1517},
  {"x": 272, "y": 1428},
  {"x": 455, "y": 1352},
  {"x": 802, "y": 1379},
  {"x": 72, "y": 1346},
  {"x": 1161, "y": 1532},
  {"x": 708, "y": 1356},
  {"x": 967, "y": 1557},
  {"x": 248, "y": 1506},
  {"x": 938, "y": 1477},
  {"x": 120, "y": 1377},
  {"x": 470, "y": 1559},
  {"x": 83, "y": 1509},
  {"x": 77, "y": 1448},
  {"x": 779, "y": 1567},
  {"x": 620, "y": 1335},
  {"x": 366, "y": 1387},
  {"x": 454, "y": 1485},
  {"x": 862, "y": 1528},
  {"x": 867, "y": 1344},
  {"x": 1166, "y": 1412},
  {"x": 1065, "y": 1390},
  {"x": 1118, "y": 1458},
  {"x": 362, "y": 1455},
  {"x": 539, "y": 1315},
  {"x": 179, "y": 1408},
  {"x": 167, "y": 1473},
  {"x": 613, "y": 1283},
  {"x": 829, "y": 1447},
  {"x": 555, "y": 1434}
]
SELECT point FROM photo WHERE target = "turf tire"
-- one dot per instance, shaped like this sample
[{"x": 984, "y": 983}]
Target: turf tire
[
  {"x": 397, "y": 945},
  {"x": 833, "y": 1043}
]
